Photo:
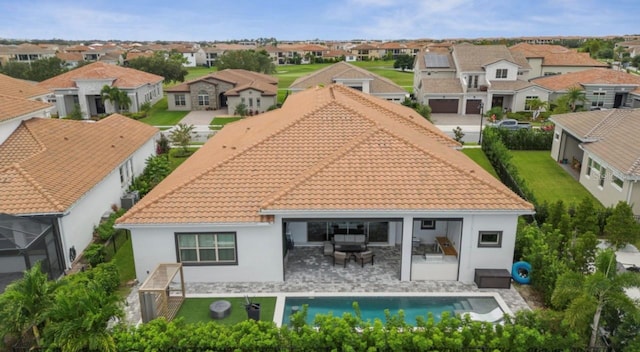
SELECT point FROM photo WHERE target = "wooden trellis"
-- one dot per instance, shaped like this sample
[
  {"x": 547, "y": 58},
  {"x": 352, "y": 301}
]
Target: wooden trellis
[{"x": 157, "y": 296}]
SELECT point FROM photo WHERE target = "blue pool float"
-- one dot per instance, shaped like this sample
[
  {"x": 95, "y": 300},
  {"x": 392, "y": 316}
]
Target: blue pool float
[{"x": 521, "y": 272}]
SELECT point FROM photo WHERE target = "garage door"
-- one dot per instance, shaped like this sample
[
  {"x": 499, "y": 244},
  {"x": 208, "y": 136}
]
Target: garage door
[
  {"x": 473, "y": 107},
  {"x": 444, "y": 106}
]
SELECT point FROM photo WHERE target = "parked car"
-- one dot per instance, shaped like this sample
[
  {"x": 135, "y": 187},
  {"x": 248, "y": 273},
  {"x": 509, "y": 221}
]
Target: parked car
[{"x": 511, "y": 124}]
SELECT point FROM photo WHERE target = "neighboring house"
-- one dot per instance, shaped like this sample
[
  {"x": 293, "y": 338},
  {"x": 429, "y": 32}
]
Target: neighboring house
[
  {"x": 28, "y": 53},
  {"x": 338, "y": 55},
  {"x": 353, "y": 77},
  {"x": 547, "y": 60},
  {"x": 82, "y": 86},
  {"x": 604, "y": 88},
  {"x": 602, "y": 146},
  {"x": 365, "y": 52},
  {"x": 330, "y": 156},
  {"x": 19, "y": 101},
  {"x": 213, "y": 52},
  {"x": 227, "y": 88},
  {"x": 57, "y": 180},
  {"x": 467, "y": 77}
]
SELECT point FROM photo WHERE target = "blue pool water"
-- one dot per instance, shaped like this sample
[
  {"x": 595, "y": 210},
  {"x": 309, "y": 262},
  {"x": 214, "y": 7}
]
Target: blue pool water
[{"x": 372, "y": 307}]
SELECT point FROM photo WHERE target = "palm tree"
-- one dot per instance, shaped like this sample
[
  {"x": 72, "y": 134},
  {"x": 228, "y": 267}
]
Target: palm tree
[
  {"x": 119, "y": 98},
  {"x": 80, "y": 316},
  {"x": 586, "y": 296},
  {"x": 25, "y": 302},
  {"x": 536, "y": 105},
  {"x": 574, "y": 95}
]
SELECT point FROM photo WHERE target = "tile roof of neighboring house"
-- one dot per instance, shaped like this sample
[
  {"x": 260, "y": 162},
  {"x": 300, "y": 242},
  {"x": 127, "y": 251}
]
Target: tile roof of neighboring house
[
  {"x": 12, "y": 107},
  {"x": 611, "y": 135},
  {"x": 326, "y": 149},
  {"x": 136, "y": 54},
  {"x": 439, "y": 52},
  {"x": 342, "y": 70},
  {"x": 123, "y": 77},
  {"x": 474, "y": 57},
  {"x": 510, "y": 85},
  {"x": 241, "y": 79},
  {"x": 336, "y": 53},
  {"x": 364, "y": 47},
  {"x": 20, "y": 88},
  {"x": 556, "y": 55},
  {"x": 71, "y": 56},
  {"x": 46, "y": 165},
  {"x": 441, "y": 85},
  {"x": 591, "y": 76}
]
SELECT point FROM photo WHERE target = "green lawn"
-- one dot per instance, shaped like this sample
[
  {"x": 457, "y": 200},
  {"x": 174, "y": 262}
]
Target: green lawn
[
  {"x": 221, "y": 121},
  {"x": 159, "y": 116},
  {"x": 176, "y": 158},
  {"x": 477, "y": 155},
  {"x": 123, "y": 259},
  {"x": 548, "y": 181},
  {"x": 194, "y": 310}
]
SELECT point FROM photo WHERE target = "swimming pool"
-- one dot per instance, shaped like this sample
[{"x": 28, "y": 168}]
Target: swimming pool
[{"x": 373, "y": 306}]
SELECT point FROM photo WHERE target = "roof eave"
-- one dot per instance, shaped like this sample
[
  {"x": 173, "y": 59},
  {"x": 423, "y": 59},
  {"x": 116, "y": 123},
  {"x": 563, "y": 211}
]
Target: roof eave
[
  {"x": 394, "y": 212},
  {"x": 131, "y": 226}
]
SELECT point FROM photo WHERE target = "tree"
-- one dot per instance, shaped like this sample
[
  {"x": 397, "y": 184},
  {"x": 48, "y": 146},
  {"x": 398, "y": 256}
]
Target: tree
[
  {"x": 458, "y": 135},
  {"x": 38, "y": 70},
  {"x": 537, "y": 106},
  {"x": 79, "y": 317},
  {"x": 621, "y": 227},
  {"x": 76, "y": 113},
  {"x": 46, "y": 68},
  {"x": 568, "y": 102},
  {"x": 404, "y": 62},
  {"x": 585, "y": 297},
  {"x": 251, "y": 60},
  {"x": 181, "y": 135},
  {"x": 168, "y": 65},
  {"x": 25, "y": 302},
  {"x": 119, "y": 98}
]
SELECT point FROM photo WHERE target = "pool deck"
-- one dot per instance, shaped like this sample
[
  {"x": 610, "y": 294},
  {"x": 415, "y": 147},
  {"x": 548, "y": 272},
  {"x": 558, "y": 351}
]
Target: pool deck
[{"x": 308, "y": 271}]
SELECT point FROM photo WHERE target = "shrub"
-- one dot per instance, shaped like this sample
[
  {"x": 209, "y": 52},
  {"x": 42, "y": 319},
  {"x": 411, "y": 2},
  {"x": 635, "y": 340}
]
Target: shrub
[
  {"x": 94, "y": 254},
  {"x": 105, "y": 230}
]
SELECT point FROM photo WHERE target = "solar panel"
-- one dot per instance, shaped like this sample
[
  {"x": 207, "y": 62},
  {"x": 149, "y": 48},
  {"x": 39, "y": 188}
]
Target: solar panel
[{"x": 436, "y": 60}]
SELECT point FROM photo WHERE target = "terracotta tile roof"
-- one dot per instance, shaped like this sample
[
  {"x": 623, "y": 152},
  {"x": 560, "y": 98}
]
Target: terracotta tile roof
[
  {"x": 326, "y": 149},
  {"x": 474, "y": 57},
  {"x": 46, "y": 165},
  {"x": 124, "y": 77},
  {"x": 136, "y": 54},
  {"x": 20, "y": 88},
  {"x": 609, "y": 134},
  {"x": 241, "y": 79},
  {"x": 12, "y": 107},
  {"x": 72, "y": 56},
  {"x": 556, "y": 55},
  {"x": 336, "y": 53},
  {"x": 441, "y": 85},
  {"x": 420, "y": 62},
  {"x": 341, "y": 70},
  {"x": 591, "y": 76},
  {"x": 510, "y": 85}
]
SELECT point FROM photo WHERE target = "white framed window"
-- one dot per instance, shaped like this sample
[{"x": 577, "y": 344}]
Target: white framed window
[
  {"x": 589, "y": 166},
  {"x": 490, "y": 239},
  {"x": 126, "y": 173},
  {"x": 527, "y": 102},
  {"x": 203, "y": 99},
  {"x": 617, "y": 182},
  {"x": 473, "y": 81},
  {"x": 206, "y": 248},
  {"x": 180, "y": 100},
  {"x": 603, "y": 175},
  {"x": 598, "y": 98},
  {"x": 502, "y": 73}
]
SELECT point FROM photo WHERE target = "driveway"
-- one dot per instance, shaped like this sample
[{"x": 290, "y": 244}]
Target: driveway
[
  {"x": 470, "y": 125},
  {"x": 202, "y": 118}
]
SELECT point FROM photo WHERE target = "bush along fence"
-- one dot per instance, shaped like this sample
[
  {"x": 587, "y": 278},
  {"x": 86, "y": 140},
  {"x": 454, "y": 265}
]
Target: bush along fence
[
  {"x": 500, "y": 158},
  {"x": 523, "y": 139}
]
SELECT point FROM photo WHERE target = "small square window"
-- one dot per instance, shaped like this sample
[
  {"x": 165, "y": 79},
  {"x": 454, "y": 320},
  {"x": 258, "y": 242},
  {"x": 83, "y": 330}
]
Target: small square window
[{"x": 490, "y": 239}]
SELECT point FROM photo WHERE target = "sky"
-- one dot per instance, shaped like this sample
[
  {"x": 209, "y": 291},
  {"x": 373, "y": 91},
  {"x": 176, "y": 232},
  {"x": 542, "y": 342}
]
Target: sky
[{"x": 221, "y": 20}]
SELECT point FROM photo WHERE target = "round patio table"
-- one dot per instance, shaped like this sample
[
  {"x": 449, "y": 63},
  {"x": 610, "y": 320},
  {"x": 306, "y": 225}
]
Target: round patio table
[{"x": 220, "y": 309}]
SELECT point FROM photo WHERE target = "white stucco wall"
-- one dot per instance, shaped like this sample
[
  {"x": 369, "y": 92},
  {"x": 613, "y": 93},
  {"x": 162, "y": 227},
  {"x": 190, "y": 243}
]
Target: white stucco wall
[
  {"x": 259, "y": 251},
  {"x": 608, "y": 194},
  {"x": 76, "y": 227},
  {"x": 473, "y": 257},
  {"x": 265, "y": 101},
  {"x": 512, "y": 71},
  {"x": 521, "y": 96}
]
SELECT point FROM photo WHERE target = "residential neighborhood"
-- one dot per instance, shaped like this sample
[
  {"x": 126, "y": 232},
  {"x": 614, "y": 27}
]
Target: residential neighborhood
[{"x": 255, "y": 192}]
